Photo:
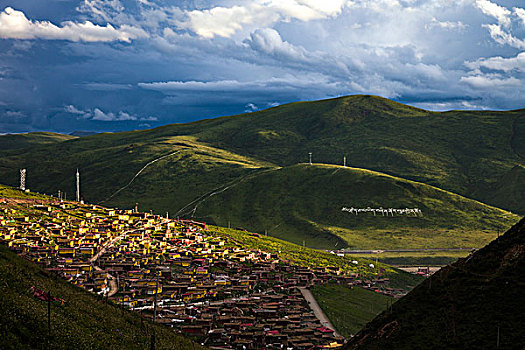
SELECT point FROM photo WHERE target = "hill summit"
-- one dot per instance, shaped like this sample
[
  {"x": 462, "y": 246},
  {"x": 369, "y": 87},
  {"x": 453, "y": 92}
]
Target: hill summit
[{"x": 190, "y": 169}]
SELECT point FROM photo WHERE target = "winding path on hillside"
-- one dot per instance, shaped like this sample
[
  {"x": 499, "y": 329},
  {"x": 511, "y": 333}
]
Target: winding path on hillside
[
  {"x": 192, "y": 206},
  {"x": 139, "y": 172},
  {"x": 319, "y": 313},
  {"x": 113, "y": 287}
]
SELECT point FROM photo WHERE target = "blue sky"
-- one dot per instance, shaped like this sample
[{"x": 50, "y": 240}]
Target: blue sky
[{"x": 114, "y": 65}]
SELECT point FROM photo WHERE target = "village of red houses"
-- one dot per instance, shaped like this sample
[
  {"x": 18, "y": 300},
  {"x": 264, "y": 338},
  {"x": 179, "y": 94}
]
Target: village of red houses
[{"x": 178, "y": 272}]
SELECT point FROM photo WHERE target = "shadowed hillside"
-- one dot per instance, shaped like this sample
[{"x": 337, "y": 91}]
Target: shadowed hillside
[
  {"x": 475, "y": 303},
  {"x": 83, "y": 321}
]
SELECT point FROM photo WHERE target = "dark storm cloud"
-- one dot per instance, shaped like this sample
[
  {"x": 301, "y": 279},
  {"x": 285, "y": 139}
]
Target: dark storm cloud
[{"x": 126, "y": 64}]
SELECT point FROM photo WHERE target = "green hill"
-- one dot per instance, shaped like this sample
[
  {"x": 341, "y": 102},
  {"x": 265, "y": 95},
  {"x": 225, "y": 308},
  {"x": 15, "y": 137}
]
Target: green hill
[
  {"x": 476, "y": 154},
  {"x": 83, "y": 321},
  {"x": 475, "y": 303},
  {"x": 32, "y": 139},
  {"x": 304, "y": 203}
]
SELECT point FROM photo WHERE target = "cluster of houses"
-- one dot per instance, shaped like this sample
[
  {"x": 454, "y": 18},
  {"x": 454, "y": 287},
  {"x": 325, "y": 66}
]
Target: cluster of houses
[{"x": 178, "y": 273}]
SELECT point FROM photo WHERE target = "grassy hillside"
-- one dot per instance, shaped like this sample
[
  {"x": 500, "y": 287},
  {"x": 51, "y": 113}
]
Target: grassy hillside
[
  {"x": 349, "y": 310},
  {"x": 83, "y": 321},
  {"x": 476, "y": 154},
  {"x": 305, "y": 202},
  {"x": 463, "y": 306},
  {"x": 468, "y": 152},
  {"x": 32, "y": 139},
  {"x": 108, "y": 162}
]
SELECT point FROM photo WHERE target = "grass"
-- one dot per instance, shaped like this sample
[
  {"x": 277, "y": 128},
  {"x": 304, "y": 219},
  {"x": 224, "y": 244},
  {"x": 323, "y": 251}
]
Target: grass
[
  {"x": 474, "y": 154},
  {"x": 425, "y": 258},
  {"x": 32, "y": 139},
  {"x": 463, "y": 306},
  {"x": 84, "y": 321},
  {"x": 349, "y": 309},
  {"x": 305, "y": 202}
]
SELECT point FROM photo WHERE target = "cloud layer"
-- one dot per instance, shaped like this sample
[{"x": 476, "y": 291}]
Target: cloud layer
[
  {"x": 124, "y": 61},
  {"x": 15, "y": 25}
]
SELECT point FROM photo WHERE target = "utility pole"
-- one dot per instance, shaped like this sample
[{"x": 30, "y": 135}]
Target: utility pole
[
  {"x": 78, "y": 186},
  {"x": 49, "y": 313},
  {"x": 310, "y": 157},
  {"x": 155, "y": 302}
]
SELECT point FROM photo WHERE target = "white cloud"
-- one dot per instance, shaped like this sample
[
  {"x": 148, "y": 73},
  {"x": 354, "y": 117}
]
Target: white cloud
[
  {"x": 226, "y": 21},
  {"x": 487, "y": 82},
  {"x": 269, "y": 41},
  {"x": 173, "y": 86},
  {"x": 250, "y": 107},
  {"x": 500, "y": 13},
  {"x": 446, "y": 24},
  {"x": 73, "y": 110},
  {"x": 503, "y": 37},
  {"x": 15, "y": 25},
  {"x": 516, "y": 63},
  {"x": 521, "y": 14},
  {"x": 107, "y": 86},
  {"x": 14, "y": 114},
  {"x": 99, "y": 115},
  {"x": 257, "y": 92},
  {"x": 111, "y": 117}
]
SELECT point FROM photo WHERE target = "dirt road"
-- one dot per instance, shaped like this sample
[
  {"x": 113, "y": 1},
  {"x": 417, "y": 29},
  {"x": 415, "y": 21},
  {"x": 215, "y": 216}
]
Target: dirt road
[{"x": 317, "y": 309}]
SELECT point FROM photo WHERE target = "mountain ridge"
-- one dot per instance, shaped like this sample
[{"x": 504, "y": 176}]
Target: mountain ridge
[{"x": 470, "y": 153}]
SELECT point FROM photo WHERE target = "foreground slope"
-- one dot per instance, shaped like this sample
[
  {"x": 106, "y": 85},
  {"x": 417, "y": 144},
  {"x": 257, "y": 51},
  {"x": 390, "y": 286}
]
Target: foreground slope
[
  {"x": 303, "y": 203},
  {"x": 475, "y": 303},
  {"x": 83, "y": 321}
]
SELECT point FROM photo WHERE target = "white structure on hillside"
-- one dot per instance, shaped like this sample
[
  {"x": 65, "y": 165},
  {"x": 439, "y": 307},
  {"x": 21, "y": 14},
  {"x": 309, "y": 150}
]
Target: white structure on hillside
[{"x": 23, "y": 179}]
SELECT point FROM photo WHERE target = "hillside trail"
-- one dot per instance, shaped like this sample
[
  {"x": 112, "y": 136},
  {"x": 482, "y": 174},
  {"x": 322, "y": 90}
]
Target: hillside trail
[
  {"x": 113, "y": 287},
  {"x": 139, "y": 172},
  {"x": 192, "y": 206}
]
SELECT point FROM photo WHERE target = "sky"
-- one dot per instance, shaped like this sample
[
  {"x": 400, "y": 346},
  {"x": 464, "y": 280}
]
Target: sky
[{"x": 112, "y": 65}]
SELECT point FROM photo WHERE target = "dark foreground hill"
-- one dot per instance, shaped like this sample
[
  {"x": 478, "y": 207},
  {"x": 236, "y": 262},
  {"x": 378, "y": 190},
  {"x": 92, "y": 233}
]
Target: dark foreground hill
[
  {"x": 475, "y": 303},
  {"x": 83, "y": 321}
]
